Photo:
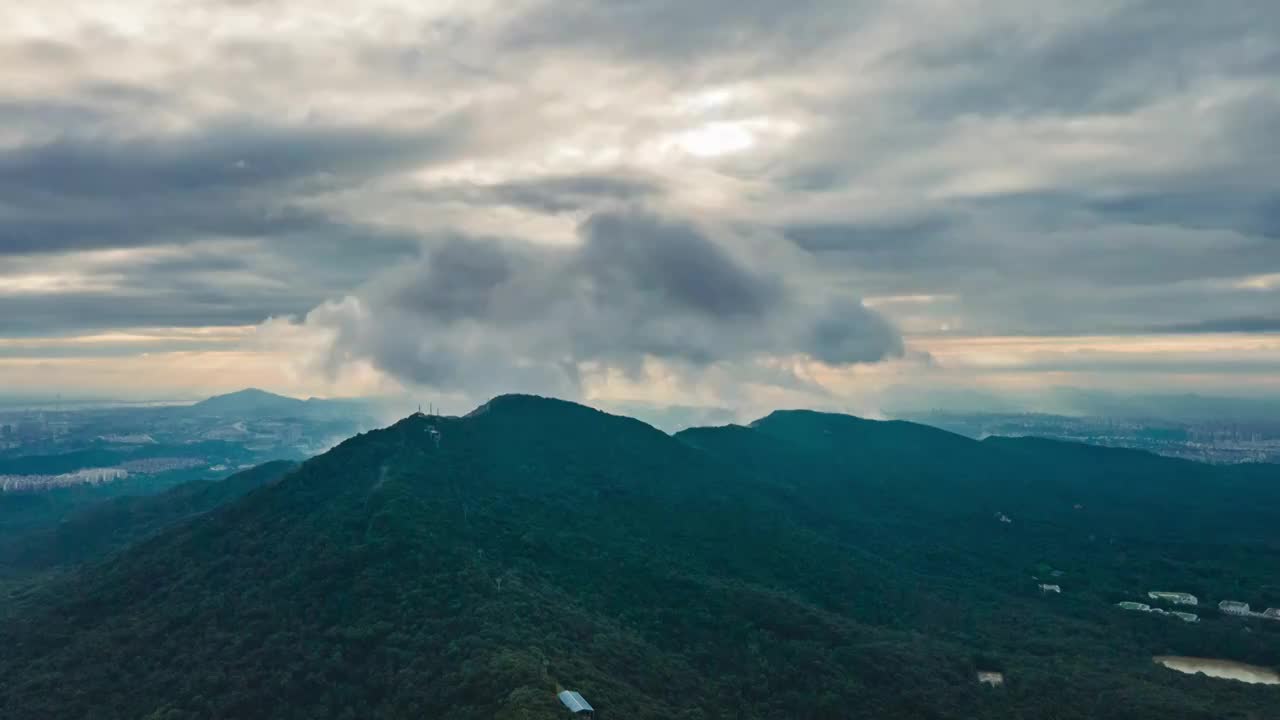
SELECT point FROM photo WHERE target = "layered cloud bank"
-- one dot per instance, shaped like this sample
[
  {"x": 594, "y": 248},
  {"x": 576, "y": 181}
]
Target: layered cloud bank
[
  {"x": 478, "y": 315},
  {"x": 704, "y": 202}
]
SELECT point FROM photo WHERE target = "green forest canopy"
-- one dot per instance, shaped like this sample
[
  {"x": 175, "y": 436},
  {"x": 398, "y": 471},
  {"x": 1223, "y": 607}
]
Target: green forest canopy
[{"x": 808, "y": 566}]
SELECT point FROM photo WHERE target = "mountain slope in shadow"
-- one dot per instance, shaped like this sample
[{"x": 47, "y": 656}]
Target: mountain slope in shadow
[{"x": 808, "y": 566}]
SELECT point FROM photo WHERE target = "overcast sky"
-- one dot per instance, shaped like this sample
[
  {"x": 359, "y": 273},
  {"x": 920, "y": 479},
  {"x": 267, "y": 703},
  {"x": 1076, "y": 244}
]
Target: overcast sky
[{"x": 742, "y": 203}]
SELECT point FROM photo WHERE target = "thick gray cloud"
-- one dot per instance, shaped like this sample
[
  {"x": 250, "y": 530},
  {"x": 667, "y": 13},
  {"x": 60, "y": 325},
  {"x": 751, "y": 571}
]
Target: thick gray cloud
[
  {"x": 848, "y": 332},
  {"x": 897, "y": 244},
  {"x": 1255, "y": 324},
  {"x": 480, "y": 314},
  {"x": 669, "y": 263},
  {"x": 553, "y": 195},
  {"x": 236, "y": 204},
  {"x": 471, "y": 177},
  {"x": 1112, "y": 57},
  {"x": 1100, "y": 168},
  {"x": 227, "y": 155},
  {"x": 681, "y": 36},
  {"x": 236, "y": 179},
  {"x": 43, "y": 314}
]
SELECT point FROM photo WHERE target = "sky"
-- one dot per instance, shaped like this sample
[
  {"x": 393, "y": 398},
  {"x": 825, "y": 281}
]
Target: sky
[{"x": 722, "y": 203}]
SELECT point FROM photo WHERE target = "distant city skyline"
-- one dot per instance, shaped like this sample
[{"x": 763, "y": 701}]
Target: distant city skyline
[{"x": 706, "y": 205}]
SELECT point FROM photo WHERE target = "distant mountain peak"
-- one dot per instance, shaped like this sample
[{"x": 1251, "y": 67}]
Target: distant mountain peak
[
  {"x": 247, "y": 394},
  {"x": 249, "y": 400},
  {"x": 793, "y": 415},
  {"x": 540, "y": 413},
  {"x": 527, "y": 403}
]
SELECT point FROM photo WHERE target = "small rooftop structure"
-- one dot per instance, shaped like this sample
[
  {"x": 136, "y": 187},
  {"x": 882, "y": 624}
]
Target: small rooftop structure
[
  {"x": 1232, "y": 607},
  {"x": 1143, "y": 607},
  {"x": 576, "y": 703},
  {"x": 994, "y": 679},
  {"x": 1177, "y": 598},
  {"x": 1050, "y": 588}
]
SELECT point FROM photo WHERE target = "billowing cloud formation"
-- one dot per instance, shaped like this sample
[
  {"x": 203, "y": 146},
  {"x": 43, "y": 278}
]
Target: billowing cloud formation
[
  {"x": 480, "y": 315},
  {"x": 540, "y": 189}
]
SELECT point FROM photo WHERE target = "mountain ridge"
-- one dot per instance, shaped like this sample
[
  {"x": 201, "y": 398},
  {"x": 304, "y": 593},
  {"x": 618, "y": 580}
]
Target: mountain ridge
[{"x": 462, "y": 567}]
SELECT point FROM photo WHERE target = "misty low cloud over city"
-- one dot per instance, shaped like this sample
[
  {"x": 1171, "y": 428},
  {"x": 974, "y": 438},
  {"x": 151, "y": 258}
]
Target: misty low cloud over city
[{"x": 741, "y": 204}]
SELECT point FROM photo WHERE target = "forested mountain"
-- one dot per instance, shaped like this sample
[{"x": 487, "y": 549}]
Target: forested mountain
[
  {"x": 807, "y": 566},
  {"x": 116, "y": 522},
  {"x": 255, "y": 403},
  {"x": 246, "y": 402}
]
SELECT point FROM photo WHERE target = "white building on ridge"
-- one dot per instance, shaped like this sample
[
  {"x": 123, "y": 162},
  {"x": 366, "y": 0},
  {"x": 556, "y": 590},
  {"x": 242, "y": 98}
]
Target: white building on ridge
[
  {"x": 1177, "y": 598},
  {"x": 576, "y": 703},
  {"x": 1231, "y": 607}
]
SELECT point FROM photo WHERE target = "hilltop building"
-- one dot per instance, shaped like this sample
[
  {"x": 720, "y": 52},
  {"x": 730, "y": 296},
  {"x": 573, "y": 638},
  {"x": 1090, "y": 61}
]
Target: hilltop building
[
  {"x": 1239, "y": 609},
  {"x": 1231, "y": 607},
  {"x": 1143, "y": 607},
  {"x": 1177, "y": 598},
  {"x": 576, "y": 704},
  {"x": 994, "y": 679}
]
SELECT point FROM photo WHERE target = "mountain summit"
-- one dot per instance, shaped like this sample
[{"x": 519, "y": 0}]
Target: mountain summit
[
  {"x": 254, "y": 403},
  {"x": 810, "y": 566},
  {"x": 249, "y": 401}
]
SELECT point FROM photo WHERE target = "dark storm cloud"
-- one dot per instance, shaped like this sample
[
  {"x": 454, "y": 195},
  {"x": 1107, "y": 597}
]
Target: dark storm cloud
[
  {"x": 647, "y": 255},
  {"x": 680, "y": 35},
  {"x": 51, "y": 112},
  {"x": 1246, "y": 212},
  {"x": 478, "y": 312},
  {"x": 228, "y": 155},
  {"x": 37, "y": 226},
  {"x": 873, "y": 242},
  {"x": 212, "y": 283},
  {"x": 572, "y": 192},
  {"x": 848, "y": 332},
  {"x": 49, "y": 313},
  {"x": 551, "y": 195},
  {"x": 238, "y": 196},
  {"x": 1142, "y": 130},
  {"x": 978, "y": 167},
  {"x": 1188, "y": 229},
  {"x": 1112, "y": 60},
  {"x": 459, "y": 280},
  {"x": 1256, "y": 324}
]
